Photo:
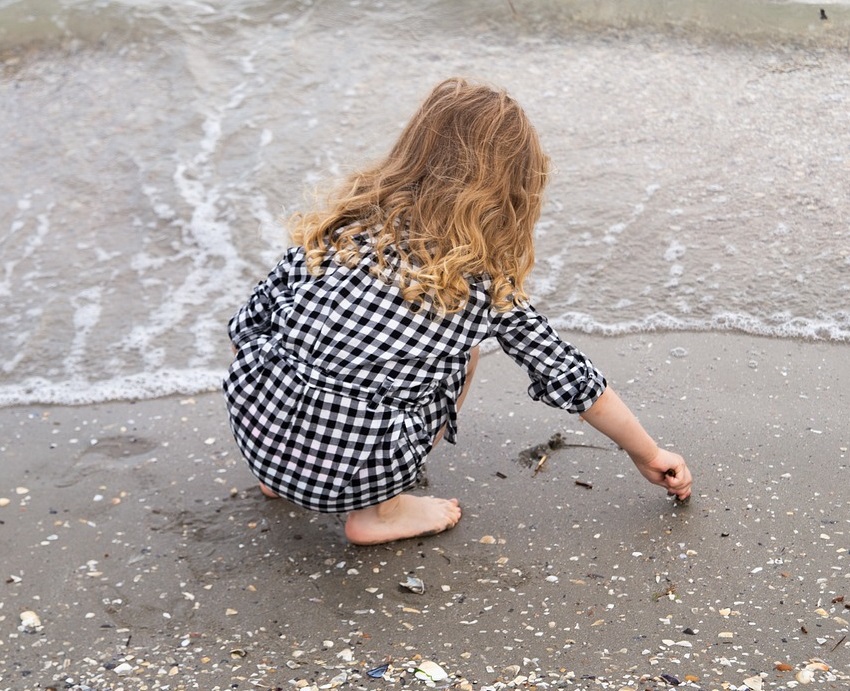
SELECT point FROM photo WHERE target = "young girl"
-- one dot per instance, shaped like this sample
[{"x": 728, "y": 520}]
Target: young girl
[{"x": 355, "y": 354}]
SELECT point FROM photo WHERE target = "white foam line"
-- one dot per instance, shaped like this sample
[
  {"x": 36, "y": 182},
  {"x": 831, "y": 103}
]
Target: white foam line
[
  {"x": 167, "y": 382},
  {"x": 776, "y": 327}
]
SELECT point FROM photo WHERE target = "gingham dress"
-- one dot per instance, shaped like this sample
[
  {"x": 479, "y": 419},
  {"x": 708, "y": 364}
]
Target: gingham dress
[{"x": 339, "y": 388}]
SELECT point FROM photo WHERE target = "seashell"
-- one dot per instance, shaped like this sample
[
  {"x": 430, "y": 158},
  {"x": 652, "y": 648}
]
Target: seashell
[
  {"x": 123, "y": 669},
  {"x": 414, "y": 585},
  {"x": 430, "y": 672},
  {"x": 818, "y": 666},
  {"x": 378, "y": 672},
  {"x": 805, "y": 676},
  {"x": 754, "y": 683},
  {"x": 338, "y": 680},
  {"x": 30, "y": 622}
]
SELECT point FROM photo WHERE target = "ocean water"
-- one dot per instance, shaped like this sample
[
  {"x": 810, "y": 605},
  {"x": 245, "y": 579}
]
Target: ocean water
[{"x": 702, "y": 154}]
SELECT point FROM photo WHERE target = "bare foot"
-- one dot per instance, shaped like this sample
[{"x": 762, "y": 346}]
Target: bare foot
[
  {"x": 265, "y": 490},
  {"x": 403, "y": 516}
]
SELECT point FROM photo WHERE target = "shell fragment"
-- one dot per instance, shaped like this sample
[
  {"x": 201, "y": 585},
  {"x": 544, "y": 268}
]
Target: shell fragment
[
  {"x": 414, "y": 585},
  {"x": 430, "y": 672}
]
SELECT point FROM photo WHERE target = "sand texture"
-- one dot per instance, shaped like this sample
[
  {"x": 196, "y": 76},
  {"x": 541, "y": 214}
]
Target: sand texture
[{"x": 142, "y": 556}]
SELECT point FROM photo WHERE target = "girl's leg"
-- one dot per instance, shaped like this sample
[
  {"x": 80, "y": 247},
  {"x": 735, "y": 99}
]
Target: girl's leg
[
  {"x": 269, "y": 493},
  {"x": 408, "y": 515}
]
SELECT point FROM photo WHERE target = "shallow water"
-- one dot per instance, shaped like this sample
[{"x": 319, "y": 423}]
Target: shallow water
[{"x": 702, "y": 163}]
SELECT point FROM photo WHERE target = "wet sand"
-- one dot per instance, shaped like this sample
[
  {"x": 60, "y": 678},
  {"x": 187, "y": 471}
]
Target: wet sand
[{"x": 137, "y": 536}]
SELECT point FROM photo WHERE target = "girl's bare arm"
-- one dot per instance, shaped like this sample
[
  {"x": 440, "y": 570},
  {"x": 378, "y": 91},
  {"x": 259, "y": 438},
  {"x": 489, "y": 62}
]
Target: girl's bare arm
[{"x": 611, "y": 416}]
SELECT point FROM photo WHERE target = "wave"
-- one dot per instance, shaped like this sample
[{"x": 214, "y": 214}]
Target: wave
[
  {"x": 778, "y": 326},
  {"x": 189, "y": 382},
  {"x": 40, "y": 24},
  {"x": 99, "y": 23},
  {"x": 142, "y": 386}
]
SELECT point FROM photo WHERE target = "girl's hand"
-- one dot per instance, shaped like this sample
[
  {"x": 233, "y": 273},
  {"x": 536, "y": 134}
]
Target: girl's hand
[
  {"x": 613, "y": 418},
  {"x": 668, "y": 470}
]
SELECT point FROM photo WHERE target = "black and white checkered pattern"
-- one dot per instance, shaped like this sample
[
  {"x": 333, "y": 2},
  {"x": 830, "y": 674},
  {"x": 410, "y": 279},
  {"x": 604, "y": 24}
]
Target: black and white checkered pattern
[{"x": 339, "y": 388}]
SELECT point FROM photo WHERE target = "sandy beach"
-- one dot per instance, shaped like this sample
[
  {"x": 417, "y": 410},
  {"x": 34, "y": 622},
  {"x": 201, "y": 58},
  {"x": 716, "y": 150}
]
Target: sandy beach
[
  {"x": 142, "y": 556},
  {"x": 700, "y": 188}
]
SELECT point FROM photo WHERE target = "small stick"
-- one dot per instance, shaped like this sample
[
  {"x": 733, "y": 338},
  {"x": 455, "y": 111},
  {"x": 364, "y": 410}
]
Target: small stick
[{"x": 540, "y": 463}]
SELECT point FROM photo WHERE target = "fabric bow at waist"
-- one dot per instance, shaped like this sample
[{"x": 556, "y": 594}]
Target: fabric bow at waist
[{"x": 315, "y": 378}]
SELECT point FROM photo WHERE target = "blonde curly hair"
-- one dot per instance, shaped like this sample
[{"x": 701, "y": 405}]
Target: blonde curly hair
[{"x": 456, "y": 199}]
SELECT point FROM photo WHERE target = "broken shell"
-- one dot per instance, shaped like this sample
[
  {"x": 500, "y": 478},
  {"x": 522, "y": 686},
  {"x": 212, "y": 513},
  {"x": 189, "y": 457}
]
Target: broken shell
[
  {"x": 430, "y": 672},
  {"x": 123, "y": 669},
  {"x": 805, "y": 676},
  {"x": 378, "y": 672},
  {"x": 338, "y": 680},
  {"x": 414, "y": 585},
  {"x": 754, "y": 683},
  {"x": 238, "y": 652},
  {"x": 30, "y": 622}
]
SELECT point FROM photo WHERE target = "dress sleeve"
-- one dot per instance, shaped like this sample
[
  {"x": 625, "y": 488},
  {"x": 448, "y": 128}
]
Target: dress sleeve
[
  {"x": 254, "y": 318},
  {"x": 561, "y": 375}
]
